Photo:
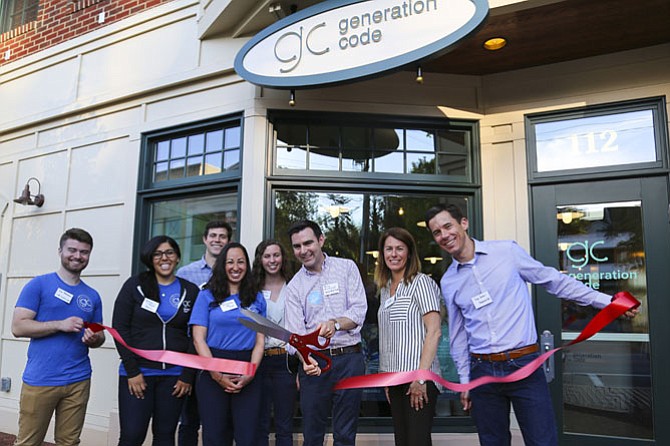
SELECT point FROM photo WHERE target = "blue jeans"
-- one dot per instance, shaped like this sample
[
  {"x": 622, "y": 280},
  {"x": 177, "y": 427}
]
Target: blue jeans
[
  {"x": 279, "y": 393},
  {"x": 158, "y": 405},
  {"x": 317, "y": 400},
  {"x": 530, "y": 398}
]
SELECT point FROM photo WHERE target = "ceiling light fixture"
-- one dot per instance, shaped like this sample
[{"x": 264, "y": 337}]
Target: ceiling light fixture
[
  {"x": 495, "y": 43},
  {"x": 419, "y": 75},
  {"x": 291, "y": 100}
]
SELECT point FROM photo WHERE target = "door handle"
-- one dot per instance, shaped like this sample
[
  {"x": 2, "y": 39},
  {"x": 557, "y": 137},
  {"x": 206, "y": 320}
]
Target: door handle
[{"x": 546, "y": 344}]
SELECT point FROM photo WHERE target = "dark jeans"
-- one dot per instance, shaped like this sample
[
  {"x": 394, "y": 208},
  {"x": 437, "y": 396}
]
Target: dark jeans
[
  {"x": 530, "y": 398},
  {"x": 222, "y": 413},
  {"x": 189, "y": 423},
  {"x": 412, "y": 427},
  {"x": 158, "y": 405},
  {"x": 317, "y": 400},
  {"x": 279, "y": 394}
]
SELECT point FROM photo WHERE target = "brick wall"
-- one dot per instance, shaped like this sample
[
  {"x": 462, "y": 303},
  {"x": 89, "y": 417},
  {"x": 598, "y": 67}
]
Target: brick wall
[{"x": 62, "y": 20}]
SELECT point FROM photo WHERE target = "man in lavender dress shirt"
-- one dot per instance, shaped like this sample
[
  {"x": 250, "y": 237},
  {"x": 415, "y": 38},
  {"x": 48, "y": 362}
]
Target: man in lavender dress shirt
[
  {"x": 327, "y": 294},
  {"x": 492, "y": 326}
]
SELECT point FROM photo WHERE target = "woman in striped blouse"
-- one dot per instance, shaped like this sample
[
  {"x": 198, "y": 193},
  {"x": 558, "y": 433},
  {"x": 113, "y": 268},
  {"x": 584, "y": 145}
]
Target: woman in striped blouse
[{"x": 409, "y": 333}]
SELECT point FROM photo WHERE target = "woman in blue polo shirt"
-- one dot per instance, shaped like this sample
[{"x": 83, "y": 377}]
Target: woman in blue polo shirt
[
  {"x": 152, "y": 312},
  {"x": 227, "y": 403}
]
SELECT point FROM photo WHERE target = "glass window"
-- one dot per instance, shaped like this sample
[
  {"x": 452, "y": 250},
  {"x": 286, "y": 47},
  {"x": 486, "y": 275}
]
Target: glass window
[
  {"x": 603, "y": 138},
  {"x": 360, "y": 146},
  {"x": 14, "y": 13},
  {"x": 194, "y": 157},
  {"x": 184, "y": 219},
  {"x": 352, "y": 223},
  {"x": 197, "y": 153}
]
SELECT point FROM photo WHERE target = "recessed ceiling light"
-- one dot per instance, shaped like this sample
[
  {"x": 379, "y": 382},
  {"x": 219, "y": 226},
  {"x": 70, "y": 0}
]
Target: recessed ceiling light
[{"x": 495, "y": 43}]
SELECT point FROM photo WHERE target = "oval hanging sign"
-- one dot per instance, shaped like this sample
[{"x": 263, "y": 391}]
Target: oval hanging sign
[{"x": 343, "y": 40}]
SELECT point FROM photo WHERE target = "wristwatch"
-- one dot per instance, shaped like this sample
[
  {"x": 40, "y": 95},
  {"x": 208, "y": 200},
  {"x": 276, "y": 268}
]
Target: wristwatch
[
  {"x": 421, "y": 382},
  {"x": 337, "y": 325}
]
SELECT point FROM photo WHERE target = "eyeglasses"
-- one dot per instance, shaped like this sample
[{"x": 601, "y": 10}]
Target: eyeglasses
[{"x": 170, "y": 253}]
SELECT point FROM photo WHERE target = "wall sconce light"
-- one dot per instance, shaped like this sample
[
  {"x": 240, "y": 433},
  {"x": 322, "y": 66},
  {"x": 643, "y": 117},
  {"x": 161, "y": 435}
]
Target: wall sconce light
[
  {"x": 291, "y": 100},
  {"x": 419, "y": 75},
  {"x": 27, "y": 199}
]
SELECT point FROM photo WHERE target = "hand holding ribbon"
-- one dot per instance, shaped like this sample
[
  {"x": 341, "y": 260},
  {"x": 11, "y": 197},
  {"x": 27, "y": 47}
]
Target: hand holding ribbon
[{"x": 623, "y": 303}]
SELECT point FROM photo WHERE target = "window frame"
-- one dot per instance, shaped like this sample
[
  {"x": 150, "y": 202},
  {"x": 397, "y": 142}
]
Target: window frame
[
  {"x": 380, "y": 183},
  {"x": 197, "y": 186},
  {"x": 6, "y": 9},
  {"x": 657, "y": 105},
  {"x": 146, "y": 182},
  {"x": 375, "y": 121}
]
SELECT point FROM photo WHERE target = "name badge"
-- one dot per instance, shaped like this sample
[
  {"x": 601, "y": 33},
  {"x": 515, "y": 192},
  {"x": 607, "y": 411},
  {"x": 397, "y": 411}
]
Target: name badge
[
  {"x": 331, "y": 289},
  {"x": 150, "y": 305},
  {"x": 388, "y": 302},
  {"x": 267, "y": 294},
  {"x": 482, "y": 300},
  {"x": 63, "y": 295},
  {"x": 228, "y": 305}
]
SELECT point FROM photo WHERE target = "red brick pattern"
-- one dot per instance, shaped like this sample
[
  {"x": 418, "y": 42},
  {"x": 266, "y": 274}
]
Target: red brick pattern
[{"x": 62, "y": 20}]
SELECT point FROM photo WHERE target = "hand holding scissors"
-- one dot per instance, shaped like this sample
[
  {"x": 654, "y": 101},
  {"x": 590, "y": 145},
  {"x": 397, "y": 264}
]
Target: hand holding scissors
[{"x": 300, "y": 342}]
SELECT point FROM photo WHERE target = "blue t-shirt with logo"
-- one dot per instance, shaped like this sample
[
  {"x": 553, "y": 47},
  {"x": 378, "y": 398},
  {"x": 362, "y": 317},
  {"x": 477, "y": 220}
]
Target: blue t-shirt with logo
[
  {"x": 224, "y": 331},
  {"x": 61, "y": 358}
]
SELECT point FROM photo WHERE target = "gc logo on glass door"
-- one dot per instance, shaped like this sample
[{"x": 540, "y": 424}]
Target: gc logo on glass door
[{"x": 585, "y": 254}]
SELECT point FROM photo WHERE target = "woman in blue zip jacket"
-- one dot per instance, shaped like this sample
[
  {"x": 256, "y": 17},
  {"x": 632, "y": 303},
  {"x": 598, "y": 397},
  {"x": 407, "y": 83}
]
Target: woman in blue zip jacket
[
  {"x": 228, "y": 403},
  {"x": 152, "y": 312}
]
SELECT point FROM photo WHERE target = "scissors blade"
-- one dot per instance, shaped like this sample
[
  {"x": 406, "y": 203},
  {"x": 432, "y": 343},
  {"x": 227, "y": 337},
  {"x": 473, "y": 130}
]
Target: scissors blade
[{"x": 263, "y": 325}]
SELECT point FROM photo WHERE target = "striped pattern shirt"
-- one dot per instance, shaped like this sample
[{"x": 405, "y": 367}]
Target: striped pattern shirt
[{"x": 401, "y": 329}]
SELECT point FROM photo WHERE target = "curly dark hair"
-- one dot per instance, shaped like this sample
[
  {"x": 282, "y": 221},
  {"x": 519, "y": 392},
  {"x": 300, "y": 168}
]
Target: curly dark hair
[
  {"x": 218, "y": 284},
  {"x": 258, "y": 272}
]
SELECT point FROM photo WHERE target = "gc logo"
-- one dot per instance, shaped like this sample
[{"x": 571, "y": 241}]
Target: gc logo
[
  {"x": 584, "y": 258},
  {"x": 290, "y": 45}
]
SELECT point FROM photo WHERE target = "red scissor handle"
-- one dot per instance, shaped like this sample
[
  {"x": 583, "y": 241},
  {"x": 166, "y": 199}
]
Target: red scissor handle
[{"x": 302, "y": 342}]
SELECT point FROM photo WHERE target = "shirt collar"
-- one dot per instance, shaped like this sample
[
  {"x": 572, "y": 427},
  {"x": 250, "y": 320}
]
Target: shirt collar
[
  {"x": 203, "y": 264},
  {"x": 323, "y": 266},
  {"x": 480, "y": 248}
]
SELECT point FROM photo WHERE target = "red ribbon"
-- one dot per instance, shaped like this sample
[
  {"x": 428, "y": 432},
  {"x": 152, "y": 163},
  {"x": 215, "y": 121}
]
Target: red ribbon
[
  {"x": 621, "y": 303},
  {"x": 183, "y": 359}
]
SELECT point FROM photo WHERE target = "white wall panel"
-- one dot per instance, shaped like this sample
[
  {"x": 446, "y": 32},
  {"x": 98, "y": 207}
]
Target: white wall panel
[
  {"x": 232, "y": 96},
  {"x": 14, "y": 287},
  {"x": 14, "y": 356},
  {"x": 100, "y": 172},
  {"x": 14, "y": 145},
  {"x": 34, "y": 245},
  {"x": 97, "y": 126},
  {"x": 50, "y": 88},
  {"x": 51, "y": 171},
  {"x": 140, "y": 60},
  {"x": 6, "y": 183},
  {"x": 109, "y": 230}
]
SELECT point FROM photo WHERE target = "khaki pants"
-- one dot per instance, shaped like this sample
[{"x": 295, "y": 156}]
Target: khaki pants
[{"x": 37, "y": 405}]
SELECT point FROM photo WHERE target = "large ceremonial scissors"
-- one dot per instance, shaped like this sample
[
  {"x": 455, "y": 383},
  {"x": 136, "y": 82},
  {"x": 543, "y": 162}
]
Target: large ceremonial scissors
[{"x": 300, "y": 342}]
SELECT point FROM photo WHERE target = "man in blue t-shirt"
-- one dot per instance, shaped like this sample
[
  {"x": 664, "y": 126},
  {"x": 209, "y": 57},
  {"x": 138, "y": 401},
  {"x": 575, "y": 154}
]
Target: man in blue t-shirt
[
  {"x": 217, "y": 235},
  {"x": 51, "y": 310}
]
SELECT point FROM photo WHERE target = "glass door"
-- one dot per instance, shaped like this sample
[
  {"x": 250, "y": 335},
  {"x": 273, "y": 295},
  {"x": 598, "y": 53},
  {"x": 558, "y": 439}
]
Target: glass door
[{"x": 612, "y": 236}]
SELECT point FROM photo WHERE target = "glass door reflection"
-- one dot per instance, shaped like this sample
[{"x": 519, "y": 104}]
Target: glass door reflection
[{"x": 607, "y": 382}]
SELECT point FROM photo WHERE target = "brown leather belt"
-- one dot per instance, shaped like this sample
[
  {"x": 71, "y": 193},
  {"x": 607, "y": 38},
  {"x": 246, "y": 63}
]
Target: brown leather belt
[
  {"x": 342, "y": 350},
  {"x": 274, "y": 351},
  {"x": 509, "y": 354}
]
